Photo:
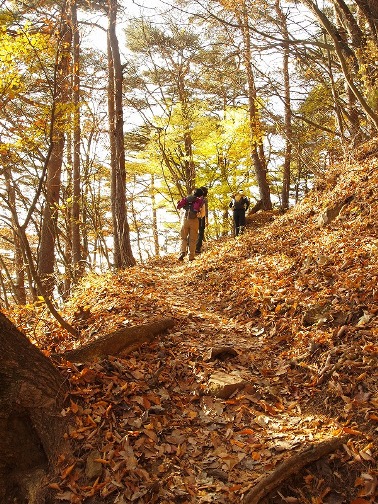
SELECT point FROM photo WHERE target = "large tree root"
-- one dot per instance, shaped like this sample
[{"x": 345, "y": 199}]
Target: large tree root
[
  {"x": 124, "y": 340},
  {"x": 291, "y": 466}
]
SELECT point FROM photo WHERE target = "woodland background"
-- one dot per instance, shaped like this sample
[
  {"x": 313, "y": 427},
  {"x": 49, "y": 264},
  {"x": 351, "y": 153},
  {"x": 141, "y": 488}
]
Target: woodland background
[
  {"x": 111, "y": 112},
  {"x": 97, "y": 146},
  {"x": 250, "y": 376}
]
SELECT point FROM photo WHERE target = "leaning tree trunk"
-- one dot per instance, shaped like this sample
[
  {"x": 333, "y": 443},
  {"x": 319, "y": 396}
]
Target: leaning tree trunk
[
  {"x": 344, "y": 54},
  {"x": 32, "y": 392}
]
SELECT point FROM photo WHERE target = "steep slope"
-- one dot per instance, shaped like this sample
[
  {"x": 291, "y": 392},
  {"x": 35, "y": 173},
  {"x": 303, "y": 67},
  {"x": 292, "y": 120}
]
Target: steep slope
[{"x": 290, "y": 310}]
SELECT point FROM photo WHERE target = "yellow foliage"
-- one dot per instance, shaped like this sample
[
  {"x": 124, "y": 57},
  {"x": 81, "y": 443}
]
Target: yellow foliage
[{"x": 20, "y": 53}]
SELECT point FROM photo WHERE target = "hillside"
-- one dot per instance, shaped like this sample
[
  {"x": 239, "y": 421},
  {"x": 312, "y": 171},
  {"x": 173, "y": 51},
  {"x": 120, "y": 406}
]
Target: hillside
[{"x": 289, "y": 310}]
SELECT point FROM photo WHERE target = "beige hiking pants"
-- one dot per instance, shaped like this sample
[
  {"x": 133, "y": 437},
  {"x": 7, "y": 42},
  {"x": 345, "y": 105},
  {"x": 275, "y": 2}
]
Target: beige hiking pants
[{"x": 189, "y": 234}]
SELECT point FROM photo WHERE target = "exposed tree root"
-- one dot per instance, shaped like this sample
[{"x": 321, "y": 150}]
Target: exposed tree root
[
  {"x": 291, "y": 466},
  {"x": 124, "y": 340}
]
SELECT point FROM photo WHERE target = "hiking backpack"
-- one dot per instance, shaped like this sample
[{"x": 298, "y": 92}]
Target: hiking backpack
[
  {"x": 190, "y": 206},
  {"x": 239, "y": 203}
]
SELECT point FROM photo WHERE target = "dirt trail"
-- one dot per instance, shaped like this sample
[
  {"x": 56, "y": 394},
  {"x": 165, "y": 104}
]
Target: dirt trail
[
  {"x": 249, "y": 294},
  {"x": 189, "y": 299},
  {"x": 262, "y": 424},
  {"x": 281, "y": 408}
]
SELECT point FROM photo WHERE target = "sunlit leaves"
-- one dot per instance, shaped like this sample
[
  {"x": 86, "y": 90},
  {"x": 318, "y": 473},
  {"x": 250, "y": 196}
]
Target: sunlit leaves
[{"x": 20, "y": 56}]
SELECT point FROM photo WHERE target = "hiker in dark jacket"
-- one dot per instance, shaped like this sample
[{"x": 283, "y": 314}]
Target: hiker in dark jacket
[
  {"x": 190, "y": 206},
  {"x": 239, "y": 205},
  {"x": 202, "y": 221}
]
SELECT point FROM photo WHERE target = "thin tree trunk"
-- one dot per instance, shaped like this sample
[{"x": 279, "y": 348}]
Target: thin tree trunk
[
  {"x": 19, "y": 266},
  {"x": 40, "y": 284},
  {"x": 354, "y": 124},
  {"x": 65, "y": 286},
  {"x": 285, "y": 194},
  {"x": 75, "y": 225},
  {"x": 46, "y": 259},
  {"x": 125, "y": 258},
  {"x": 113, "y": 153},
  {"x": 154, "y": 217},
  {"x": 4, "y": 289},
  {"x": 336, "y": 101},
  {"x": 190, "y": 172},
  {"x": 254, "y": 122}
]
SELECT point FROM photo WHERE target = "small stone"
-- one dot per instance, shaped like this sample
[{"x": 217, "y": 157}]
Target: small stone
[
  {"x": 223, "y": 385},
  {"x": 93, "y": 469}
]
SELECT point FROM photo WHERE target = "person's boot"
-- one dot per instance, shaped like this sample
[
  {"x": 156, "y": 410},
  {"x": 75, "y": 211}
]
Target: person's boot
[{"x": 181, "y": 256}]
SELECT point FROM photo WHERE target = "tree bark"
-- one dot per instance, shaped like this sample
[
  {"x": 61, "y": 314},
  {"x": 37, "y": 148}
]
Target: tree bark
[
  {"x": 286, "y": 172},
  {"x": 46, "y": 259},
  {"x": 32, "y": 393},
  {"x": 257, "y": 155},
  {"x": 126, "y": 258},
  {"x": 75, "y": 221}
]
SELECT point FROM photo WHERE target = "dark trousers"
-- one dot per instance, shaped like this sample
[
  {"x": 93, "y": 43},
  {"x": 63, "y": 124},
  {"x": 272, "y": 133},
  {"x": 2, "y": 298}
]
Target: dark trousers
[
  {"x": 201, "y": 233},
  {"x": 239, "y": 221}
]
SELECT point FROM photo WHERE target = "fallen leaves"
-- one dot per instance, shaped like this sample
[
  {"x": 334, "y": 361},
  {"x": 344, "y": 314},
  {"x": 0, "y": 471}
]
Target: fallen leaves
[{"x": 290, "y": 310}]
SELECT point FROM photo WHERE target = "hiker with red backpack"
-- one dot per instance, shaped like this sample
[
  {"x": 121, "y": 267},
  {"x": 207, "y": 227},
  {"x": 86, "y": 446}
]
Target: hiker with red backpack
[
  {"x": 190, "y": 206},
  {"x": 239, "y": 205}
]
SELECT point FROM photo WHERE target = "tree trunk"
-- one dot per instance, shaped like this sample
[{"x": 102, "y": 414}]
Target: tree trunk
[
  {"x": 75, "y": 223},
  {"x": 155, "y": 231},
  {"x": 32, "y": 392},
  {"x": 354, "y": 126},
  {"x": 126, "y": 258},
  {"x": 336, "y": 100},
  {"x": 46, "y": 259},
  {"x": 254, "y": 121},
  {"x": 189, "y": 168},
  {"x": 286, "y": 172},
  {"x": 19, "y": 265},
  {"x": 344, "y": 53},
  {"x": 113, "y": 152}
]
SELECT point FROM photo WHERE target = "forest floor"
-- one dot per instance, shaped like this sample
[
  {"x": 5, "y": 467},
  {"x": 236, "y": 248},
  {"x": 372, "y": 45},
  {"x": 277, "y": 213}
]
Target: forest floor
[{"x": 289, "y": 310}]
